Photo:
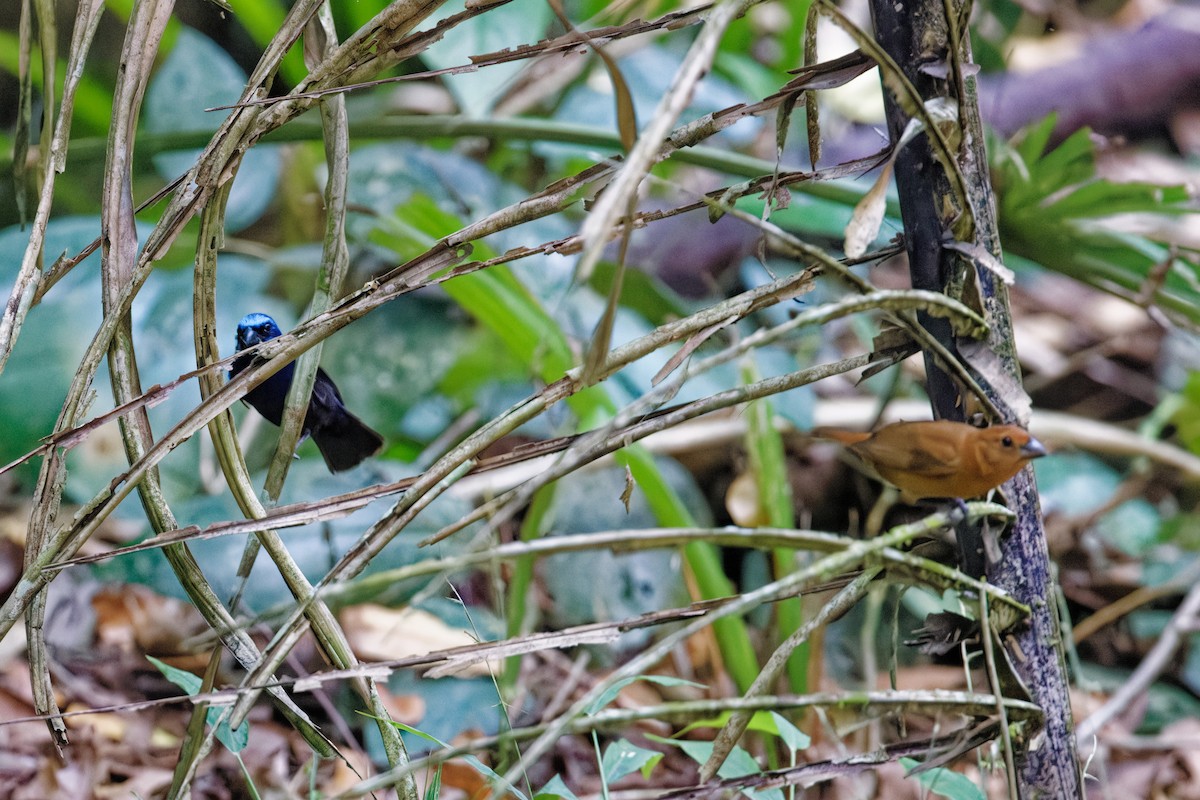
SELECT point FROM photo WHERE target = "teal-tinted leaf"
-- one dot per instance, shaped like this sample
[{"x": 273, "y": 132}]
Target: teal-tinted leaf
[
  {"x": 1164, "y": 565},
  {"x": 387, "y": 178},
  {"x": 1165, "y": 703},
  {"x": 1074, "y": 483},
  {"x": 648, "y": 72},
  {"x": 555, "y": 789},
  {"x": 795, "y": 739},
  {"x": 797, "y": 406},
  {"x": 185, "y": 680},
  {"x": 1147, "y": 624},
  {"x": 315, "y": 547},
  {"x": 521, "y": 22},
  {"x": 596, "y": 585},
  {"x": 623, "y": 757},
  {"x": 395, "y": 357},
  {"x": 739, "y": 763},
  {"x": 946, "y": 782},
  {"x": 198, "y": 75},
  {"x": 39, "y": 371},
  {"x": 475, "y": 763},
  {"x": 611, "y": 693},
  {"x": 1190, "y": 674},
  {"x": 234, "y": 740},
  {"x": 1132, "y": 527}
]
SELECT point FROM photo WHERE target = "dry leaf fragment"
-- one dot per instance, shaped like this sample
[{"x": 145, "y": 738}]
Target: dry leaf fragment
[
  {"x": 864, "y": 224},
  {"x": 379, "y": 633}
]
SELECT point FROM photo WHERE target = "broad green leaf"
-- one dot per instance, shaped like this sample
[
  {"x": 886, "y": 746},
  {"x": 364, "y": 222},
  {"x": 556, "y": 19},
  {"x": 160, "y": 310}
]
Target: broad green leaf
[
  {"x": 520, "y": 22},
  {"x": 622, "y": 757},
  {"x": 555, "y": 789},
  {"x": 793, "y": 737},
  {"x": 198, "y": 75},
  {"x": 611, "y": 693},
  {"x": 1132, "y": 527},
  {"x": 1074, "y": 483},
  {"x": 234, "y": 740},
  {"x": 479, "y": 766},
  {"x": 1056, "y": 211},
  {"x": 739, "y": 764},
  {"x": 946, "y": 783}
]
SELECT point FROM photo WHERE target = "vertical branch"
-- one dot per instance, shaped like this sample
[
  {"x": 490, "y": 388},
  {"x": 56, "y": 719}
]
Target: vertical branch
[
  {"x": 329, "y": 636},
  {"x": 53, "y": 161},
  {"x": 921, "y": 184},
  {"x": 920, "y": 35}
]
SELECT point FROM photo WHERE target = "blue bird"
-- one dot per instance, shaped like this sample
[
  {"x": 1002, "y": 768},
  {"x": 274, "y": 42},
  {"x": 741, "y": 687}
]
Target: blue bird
[{"x": 343, "y": 439}]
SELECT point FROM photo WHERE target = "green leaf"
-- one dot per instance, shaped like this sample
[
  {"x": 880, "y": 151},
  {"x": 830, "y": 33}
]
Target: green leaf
[
  {"x": 185, "y": 680},
  {"x": 611, "y": 693},
  {"x": 1055, "y": 211},
  {"x": 434, "y": 790},
  {"x": 1182, "y": 530},
  {"x": 1164, "y": 703},
  {"x": 93, "y": 101},
  {"x": 198, "y": 74},
  {"x": 622, "y": 757},
  {"x": 1101, "y": 198},
  {"x": 946, "y": 783},
  {"x": 1187, "y": 418},
  {"x": 1133, "y": 527},
  {"x": 793, "y": 737},
  {"x": 769, "y": 722},
  {"x": 554, "y": 790},
  {"x": 1074, "y": 483},
  {"x": 478, "y": 765},
  {"x": 519, "y": 22},
  {"x": 738, "y": 765},
  {"x": 1031, "y": 143},
  {"x": 234, "y": 740}
]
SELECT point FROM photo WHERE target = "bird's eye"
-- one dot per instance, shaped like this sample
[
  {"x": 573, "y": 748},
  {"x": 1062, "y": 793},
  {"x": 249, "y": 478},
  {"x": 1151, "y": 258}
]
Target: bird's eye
[{"x": 1007, "y": 441}]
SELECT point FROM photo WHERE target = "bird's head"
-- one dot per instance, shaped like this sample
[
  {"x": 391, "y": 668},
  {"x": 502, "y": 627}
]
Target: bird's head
[
  {"x": 254, "y": 329},
  {"x": 1009, "y": 445}
]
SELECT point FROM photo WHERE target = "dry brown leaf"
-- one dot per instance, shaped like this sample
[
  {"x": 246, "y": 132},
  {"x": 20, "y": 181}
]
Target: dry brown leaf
[
  {"x": 864, "y": 224},
  {"x": 379, "y": 633},
  {"x": 113, "y": 727},
  {"x": 135, "y": 619}
]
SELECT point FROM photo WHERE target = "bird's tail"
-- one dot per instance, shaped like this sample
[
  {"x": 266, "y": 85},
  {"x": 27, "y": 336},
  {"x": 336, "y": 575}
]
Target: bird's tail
[
  {"x": 346, "y": 441},
  {"x": 839, "y": 435}
]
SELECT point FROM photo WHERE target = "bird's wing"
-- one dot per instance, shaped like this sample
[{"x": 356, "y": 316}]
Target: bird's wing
[
  {"x": 325, "y": 390},
  {"x": 895, "y": 449}
]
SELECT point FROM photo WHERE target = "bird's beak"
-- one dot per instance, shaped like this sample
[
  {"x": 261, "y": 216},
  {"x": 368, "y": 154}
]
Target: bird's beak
[
  {"x": 247, "y": 338},
  {"x": 1033, "y": 449}
]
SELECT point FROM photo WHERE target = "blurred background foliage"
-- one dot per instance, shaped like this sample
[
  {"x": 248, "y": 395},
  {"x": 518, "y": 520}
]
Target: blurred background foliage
[{"x": 427, "y": 368}]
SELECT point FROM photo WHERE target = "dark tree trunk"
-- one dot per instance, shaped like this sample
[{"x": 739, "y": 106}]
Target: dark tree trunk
[{"x": 915, "y": 35}]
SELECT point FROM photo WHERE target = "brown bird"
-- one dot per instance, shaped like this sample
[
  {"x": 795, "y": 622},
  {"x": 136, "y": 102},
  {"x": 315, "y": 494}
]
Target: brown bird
[{"x": 941, "y": 459}]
